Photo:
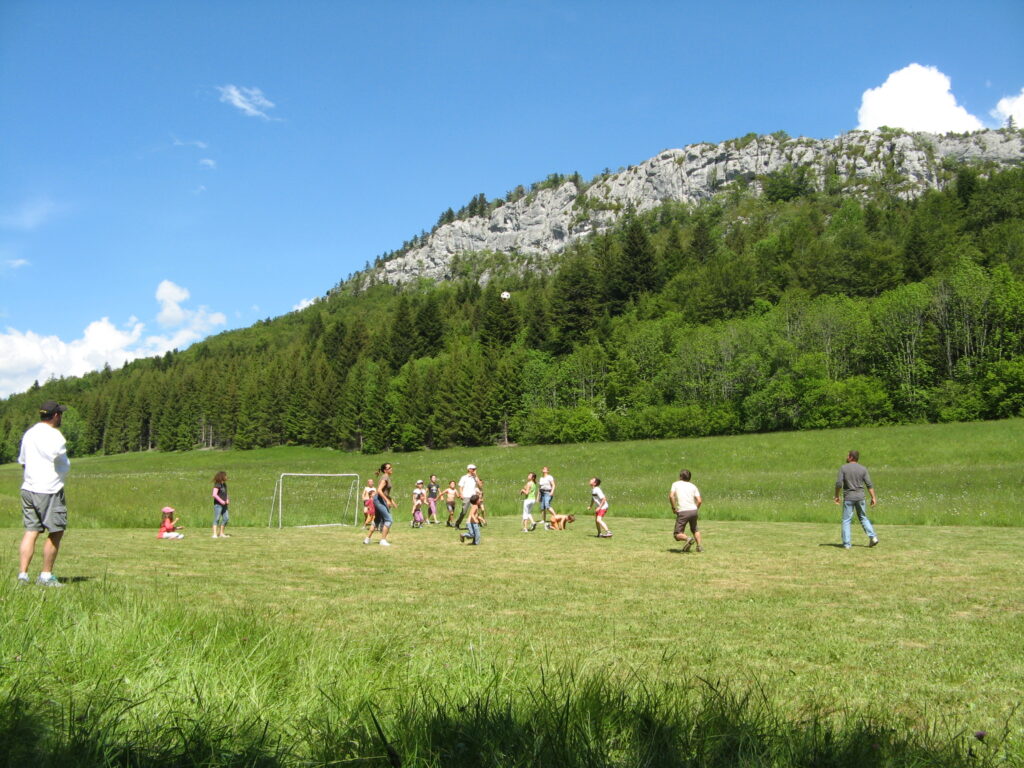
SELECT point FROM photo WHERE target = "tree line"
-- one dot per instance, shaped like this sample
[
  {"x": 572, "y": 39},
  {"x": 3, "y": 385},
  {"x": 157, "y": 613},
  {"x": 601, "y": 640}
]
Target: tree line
[{"x": 798, "y": 308}]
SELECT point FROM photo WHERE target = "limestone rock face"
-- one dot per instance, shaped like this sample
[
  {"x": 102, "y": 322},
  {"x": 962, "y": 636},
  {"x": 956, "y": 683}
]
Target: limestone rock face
[{"x": 546, "y": 221}]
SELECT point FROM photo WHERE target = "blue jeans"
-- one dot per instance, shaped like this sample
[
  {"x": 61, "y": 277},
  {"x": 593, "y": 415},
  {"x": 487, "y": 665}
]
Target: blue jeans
[
  {"x": 220, "y": 514},
  {"x": 382, "y": 514},
  {"x": 861, "y": 508},
  {"x": 474, "y": 532}
]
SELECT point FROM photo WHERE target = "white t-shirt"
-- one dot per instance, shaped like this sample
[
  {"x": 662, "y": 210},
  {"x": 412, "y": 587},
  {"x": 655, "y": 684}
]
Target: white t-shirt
[
  {"x": 685, "y": 493},
  {"x": 468, "y": 486},
  {"x": 546, "y": 483},
  {"x": 44, "y": 454},
  {"x": 600, "y": 501}
]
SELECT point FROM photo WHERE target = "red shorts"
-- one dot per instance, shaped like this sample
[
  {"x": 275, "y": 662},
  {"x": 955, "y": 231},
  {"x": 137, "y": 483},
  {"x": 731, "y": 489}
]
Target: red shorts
[{"x": 600, "y": 512}]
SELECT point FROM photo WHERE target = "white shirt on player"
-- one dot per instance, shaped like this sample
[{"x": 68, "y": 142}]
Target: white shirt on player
[
  {"x": 599, "y": 499},
  {"x": 685, "y": 495},
  {"x": 468, "y": 485},
  {"x": 44, "y": 454}
]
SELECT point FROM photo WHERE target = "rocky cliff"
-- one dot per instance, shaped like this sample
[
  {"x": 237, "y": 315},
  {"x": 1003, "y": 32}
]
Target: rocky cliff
[{"x": 545, "y": 221}]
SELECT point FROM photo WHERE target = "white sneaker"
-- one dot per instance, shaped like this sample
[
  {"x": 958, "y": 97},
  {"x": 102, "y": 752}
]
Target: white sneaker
[
  {"x": 366, "y": 540},
  {"x": 385, "y": 543},
  {"x": 214, "y": 536}
]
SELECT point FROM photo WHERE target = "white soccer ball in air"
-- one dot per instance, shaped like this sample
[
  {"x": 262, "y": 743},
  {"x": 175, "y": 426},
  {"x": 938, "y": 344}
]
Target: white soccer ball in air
[{"x": 505, "y": 295}]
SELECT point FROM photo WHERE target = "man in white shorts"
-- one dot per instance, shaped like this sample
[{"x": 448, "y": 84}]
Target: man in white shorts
[{"x": 44, "y": 457}]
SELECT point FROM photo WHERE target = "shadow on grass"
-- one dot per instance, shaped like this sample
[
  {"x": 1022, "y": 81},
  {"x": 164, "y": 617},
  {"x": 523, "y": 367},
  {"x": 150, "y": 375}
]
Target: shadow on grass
[{"x": 559, "y": 723}]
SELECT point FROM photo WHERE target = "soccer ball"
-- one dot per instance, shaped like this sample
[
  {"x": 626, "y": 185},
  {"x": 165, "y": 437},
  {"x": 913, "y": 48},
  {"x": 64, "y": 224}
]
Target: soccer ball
[{"x": 505, "y": 295}]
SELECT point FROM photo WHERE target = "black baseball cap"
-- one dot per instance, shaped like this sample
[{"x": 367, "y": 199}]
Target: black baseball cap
[{"x": 51, "y": 406}]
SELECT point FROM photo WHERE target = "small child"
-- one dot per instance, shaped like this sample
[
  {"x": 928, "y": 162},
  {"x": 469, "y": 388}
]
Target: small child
[
  {"x": 433, "y": 491},
  {"x": 529, "y": 491},
  {"x": 169, "y": 526},
  {"x": 450, "y": 494},
  {"x": 599, "y": 503},
  {"x": 220, "y": 505},
  {"x": 368, "y": 512},
  {"x": 472, "y": 534},
  {"x": 558, "y": 522},
  {"x": 419, "y": 495}
]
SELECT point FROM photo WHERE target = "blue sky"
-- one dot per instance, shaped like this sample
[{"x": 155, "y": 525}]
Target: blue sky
[{"x": 174, "y": 169}]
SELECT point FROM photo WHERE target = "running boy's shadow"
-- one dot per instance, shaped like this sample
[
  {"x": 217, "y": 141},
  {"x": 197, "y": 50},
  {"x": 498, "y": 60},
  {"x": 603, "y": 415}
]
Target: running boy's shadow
[
  {"x": 677, "y": 551},
  {"x": 76, "y": 579}
]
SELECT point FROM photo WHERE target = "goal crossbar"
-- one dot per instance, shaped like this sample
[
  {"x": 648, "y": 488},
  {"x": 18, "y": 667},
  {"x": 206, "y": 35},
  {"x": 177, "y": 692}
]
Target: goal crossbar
[{"x": 350, "y": 502}]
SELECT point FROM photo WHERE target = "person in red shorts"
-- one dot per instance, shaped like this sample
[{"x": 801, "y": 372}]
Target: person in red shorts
[{"x": 599, "y": 503}]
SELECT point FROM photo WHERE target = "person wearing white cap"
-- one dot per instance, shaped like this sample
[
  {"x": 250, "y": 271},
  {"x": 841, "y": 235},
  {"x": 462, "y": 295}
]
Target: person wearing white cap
[
  {"x": 469, "y": 485},
  {"x": 419, "y": 494},
  {"x": 44, "y": 457}
]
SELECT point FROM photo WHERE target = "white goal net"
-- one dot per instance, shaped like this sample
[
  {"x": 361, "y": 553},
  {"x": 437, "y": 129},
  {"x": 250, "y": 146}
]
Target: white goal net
[{"x": 304, "y": 500}]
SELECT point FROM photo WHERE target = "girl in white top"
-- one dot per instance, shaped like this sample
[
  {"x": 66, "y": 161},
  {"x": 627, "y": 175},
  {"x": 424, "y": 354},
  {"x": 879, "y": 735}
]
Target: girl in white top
[
  {"x": 419, "y": 496},
  {"x": 599, "y": 503},
  {"x": 529, "y": 492}
]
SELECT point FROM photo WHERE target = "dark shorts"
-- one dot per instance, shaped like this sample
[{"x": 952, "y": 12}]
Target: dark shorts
[
  {"x": 684, "y": 518},
  {"x": 44, "y": 511}
]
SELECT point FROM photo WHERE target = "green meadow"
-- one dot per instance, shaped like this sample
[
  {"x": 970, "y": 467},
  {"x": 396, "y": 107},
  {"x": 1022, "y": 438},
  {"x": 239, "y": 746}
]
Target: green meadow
[{"x": 305, "y": 647}]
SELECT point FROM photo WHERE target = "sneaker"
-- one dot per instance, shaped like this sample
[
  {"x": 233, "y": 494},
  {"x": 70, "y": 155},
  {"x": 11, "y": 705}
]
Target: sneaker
[
  {"x": 225, "y": 535},
  {"x": 49, "y": 582},
  {"x": 214, "y": 536},
  {"x": 366, "y": 540},
  {"x": 23, "y": 578},
  {"x": 873, "y": 542},
  {"x": 533, "y": 527},
  {"x": 700, "y": 548},
  {"x": 385, "y": 543},
  {"x": 687, "y": 545}
]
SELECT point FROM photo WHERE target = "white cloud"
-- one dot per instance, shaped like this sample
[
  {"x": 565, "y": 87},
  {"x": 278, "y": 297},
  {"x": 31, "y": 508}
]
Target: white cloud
[
  {"x": 1010, "y": 106},
  {"x": 16, "y": 263},
  {"x": 29, "y": 215},
  {"x": 206, "y": 162},
  {"x": 915, "y": 98},
  {"x": 250, "y": 101},
  {"x": 26, "y": 356},
  {"x": 303, "y": 303},
  {"x": 198, "y": 144}
]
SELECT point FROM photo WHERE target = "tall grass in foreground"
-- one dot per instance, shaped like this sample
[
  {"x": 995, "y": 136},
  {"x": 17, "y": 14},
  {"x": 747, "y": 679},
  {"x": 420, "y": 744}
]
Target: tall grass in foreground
[{"x": 929, "y": 474}]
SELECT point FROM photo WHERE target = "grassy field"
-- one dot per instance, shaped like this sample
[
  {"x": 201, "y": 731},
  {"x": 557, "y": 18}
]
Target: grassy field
[
  {"x": 939, "y": 474},
  {"x": 773, "y": 647}
]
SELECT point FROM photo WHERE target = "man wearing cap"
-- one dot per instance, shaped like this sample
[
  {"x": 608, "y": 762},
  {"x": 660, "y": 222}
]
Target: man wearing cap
[
  {"x": 469, "y": 486},
  {"x": 44, "y": 457}
]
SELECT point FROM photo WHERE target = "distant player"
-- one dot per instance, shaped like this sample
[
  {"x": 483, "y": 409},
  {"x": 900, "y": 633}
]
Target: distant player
[
  {"x": 599, "y": 503},
  {"x": 220, "y": 505},
  {"x": 419, "y": 497},
  {"x": 382, "y": 505},
  {"x": 853, "y": 478},
  {"x": 547, "y": 492},
  {"x": 368, "y": 493},
  {"x": 169, "y": 525},
  {"x": 685, "y": 499},
  {"x": 433, "y": 491},
  {"x": 529, "y": 493},
  {"x": 470, "y": 485}
]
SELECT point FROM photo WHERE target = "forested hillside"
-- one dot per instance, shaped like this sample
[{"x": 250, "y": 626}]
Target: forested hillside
[{"x": 799, "y": 308}]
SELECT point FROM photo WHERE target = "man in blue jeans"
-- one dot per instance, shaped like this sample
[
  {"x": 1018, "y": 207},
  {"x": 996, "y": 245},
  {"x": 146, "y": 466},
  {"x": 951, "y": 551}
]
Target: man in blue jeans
[{"x": 852, "y": 480}]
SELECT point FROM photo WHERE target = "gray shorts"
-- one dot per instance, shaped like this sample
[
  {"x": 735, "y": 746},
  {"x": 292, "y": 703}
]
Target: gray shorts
[
  {"x": 689, "y": 517},
  {"x": 44, "y": 511}
]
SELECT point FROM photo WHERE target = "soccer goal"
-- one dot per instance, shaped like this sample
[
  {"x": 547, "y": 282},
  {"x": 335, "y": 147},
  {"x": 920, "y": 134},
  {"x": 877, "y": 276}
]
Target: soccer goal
[{"x": 311, "y": 500}]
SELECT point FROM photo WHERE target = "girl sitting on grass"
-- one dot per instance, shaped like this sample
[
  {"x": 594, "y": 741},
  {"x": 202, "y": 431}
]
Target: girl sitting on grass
[{"x": 169, "y": 526}]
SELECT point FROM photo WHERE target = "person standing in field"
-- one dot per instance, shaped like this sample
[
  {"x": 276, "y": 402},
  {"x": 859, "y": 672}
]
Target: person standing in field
[
  {"x": 382, "y": 504},
  {"x": 419, "y": 495},
  {"x": 547, "y": 491},
  {"x": 472, "y": 535},
  {"x": 451, "y": 493},
  {"x": 220, "y": 505},
  {"x": 433, "y": 491},
  {"x": 853, "y": 478},
  {"x": 599, "y": 503},
  {"x": 529, "y": 493},
  {"x": 469, "y": 485},
  {"x": 368, "y": 493},
  {"x": 685, "y": 499},
  {"x": 44, "y": 458}
]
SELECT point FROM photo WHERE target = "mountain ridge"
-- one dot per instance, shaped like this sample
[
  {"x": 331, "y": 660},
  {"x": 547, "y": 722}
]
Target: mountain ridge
[{"x": 548, "y": 219}]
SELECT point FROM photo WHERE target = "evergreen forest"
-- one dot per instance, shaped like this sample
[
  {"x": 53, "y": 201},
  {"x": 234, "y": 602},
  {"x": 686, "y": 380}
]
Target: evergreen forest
[{"x": 793, "y": 308}]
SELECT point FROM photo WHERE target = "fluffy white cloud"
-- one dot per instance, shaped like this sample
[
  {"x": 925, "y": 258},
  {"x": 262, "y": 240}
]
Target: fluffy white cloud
[
  {"x": 207, "y": 162},
  {"x": 29, "y": 215},
  {"x": 16, "y": 263},
  {"x": 250, "y": 101},
  {"x": 915, "y": 98},
  {"x": 26, "y": 356},
  {"x": 1010, "y": 106},
  {"x": 303, "y": 303}
]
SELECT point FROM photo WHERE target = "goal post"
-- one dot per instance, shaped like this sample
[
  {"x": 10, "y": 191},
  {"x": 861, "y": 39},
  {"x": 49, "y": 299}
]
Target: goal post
[{"x": 314, "y": 500}]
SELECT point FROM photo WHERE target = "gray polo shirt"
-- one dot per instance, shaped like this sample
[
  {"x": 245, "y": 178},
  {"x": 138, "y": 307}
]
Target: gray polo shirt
[{"x": 853, "y": 479}]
